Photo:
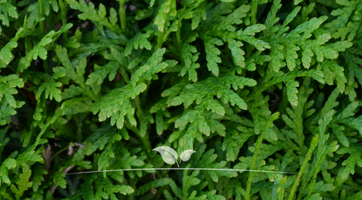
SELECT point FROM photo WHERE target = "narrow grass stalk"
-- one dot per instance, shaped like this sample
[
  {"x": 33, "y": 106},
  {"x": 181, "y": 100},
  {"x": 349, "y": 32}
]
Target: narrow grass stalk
[
  {"x": 41, "y": 14},
  {"x": 262, "y": 86},
  {"x": 280, "y": 190},
  {"x": 159, "y": 40},
  {"x": 46, "y": 66},
  {"x": 313, "y": 145},
  {"x": 253, "y": 162},
  {"x": 178, "y": 37},
  {"x": 139, "y": 114},
  {"x": 314, "y": 178},
  {"x": 145, "y": 140},
  {"x": 63, "y": 16},
  {"x": 137, "y": 99},
  {"x": 254, "y": 8},
  {"x": 122, "y": 15}
]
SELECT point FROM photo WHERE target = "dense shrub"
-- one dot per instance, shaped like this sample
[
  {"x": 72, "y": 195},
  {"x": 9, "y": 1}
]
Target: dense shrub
[{"x": 266, "y": 85}]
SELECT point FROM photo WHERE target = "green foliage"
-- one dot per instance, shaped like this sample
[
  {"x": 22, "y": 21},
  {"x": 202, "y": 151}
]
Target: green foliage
[
  {"x": 7, "y": 12},
  {"x": 269, "y": 86},
  {"x": 88, "y": 12},
  {"x": 7, "y": 100}
]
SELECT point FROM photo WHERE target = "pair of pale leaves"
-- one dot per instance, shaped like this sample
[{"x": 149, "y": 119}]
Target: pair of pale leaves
[{"x": 169, "y": 155}]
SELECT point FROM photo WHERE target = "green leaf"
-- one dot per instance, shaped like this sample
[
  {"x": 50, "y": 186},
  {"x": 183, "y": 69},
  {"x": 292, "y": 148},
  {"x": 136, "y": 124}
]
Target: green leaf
[
  {"x": 22, "y": 183},
  {"x": 9, "y": 163},
  {"x": 237, "y": 52},
  {"x": 198, "y": 14},
  {"x": 101, "y": 72},
  {"x": 164, "y": 12},
  {"x": 316, "y": 196},
  {"x": 7, "y": 12},
  {"x": 291, "y": 56},
  {"x": 212, "y": 55},
  {"x": 6, "y": 55},
  {"x": 51, "y": 89},
  {"x": 8, "y": 104},
  {"x": 153, "y": 184},
  {"x": 40, "y": 48},
  {"x": 159, "y": 123},
  {"x": 350, "y": 163},
  {"x": 292, "y": 92},
  {"x": 39, "y": 173},
  {"x": 59, "y": 179},
  {"x": 124, "y": 189},
  {"x": 289, "y": 18},
  {"x": 190, "y": 56},
  {"x": 139, "y": 41},
  {"x": 71, "y": 92},
  {"x": 94, "y": 15}
]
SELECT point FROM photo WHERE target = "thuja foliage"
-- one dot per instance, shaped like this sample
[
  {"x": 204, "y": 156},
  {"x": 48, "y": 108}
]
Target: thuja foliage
[{"x": 255, "y": 85}]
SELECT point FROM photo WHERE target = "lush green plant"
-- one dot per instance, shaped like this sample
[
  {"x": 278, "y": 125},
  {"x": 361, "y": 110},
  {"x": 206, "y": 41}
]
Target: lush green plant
[{"x": 257, "y": 85}]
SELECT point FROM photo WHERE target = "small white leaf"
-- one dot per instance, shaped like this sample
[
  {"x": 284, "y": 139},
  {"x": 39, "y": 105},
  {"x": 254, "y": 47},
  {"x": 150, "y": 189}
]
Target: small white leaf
[
  {"x": 169, "y": 155},
  {"x": 185, "y": 156}
]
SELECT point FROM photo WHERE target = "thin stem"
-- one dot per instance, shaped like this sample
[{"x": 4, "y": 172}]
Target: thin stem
[
  {"x": 6, "y": 37},
  {"x": 60, "y": 151},
  {"x": 144, "y": 94},
  {"x": 145, "y": 141},
  {"x": 138, "y": 107},
  {"x": 137, "y": 98},
  {"x": 253, "y": 162},
  {"x": 281, "y": 191},
  {"x": 63, "y": 16},
  {"x": 263, "y": 85},
  {"x": 139, "y": 113},
  {"x": 41, "y": 14},
  {"x": 159, "y": 40},
  {"x": 178, "y": 37},
  {"x": 122, "y": 15},
  {"x": 254, "y": 9},
  {"x": 46, "y": 66},
  {"x": 124, "y": 74},
  {"x": 317, "y": 169},
  {"x": 313, "y": 145}
]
